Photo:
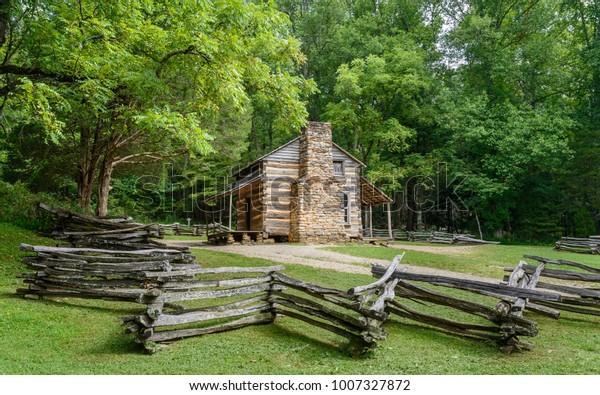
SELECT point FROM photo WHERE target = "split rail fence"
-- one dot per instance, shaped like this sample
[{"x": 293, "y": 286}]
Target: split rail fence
[
  {"x": 242, "y": 296},
  {"x": 491, "y": 323},
  {"x": 430, "y": 237},
  {"x": 177, "y": 293},
  {"x": 182, "y": 299},
  {"x": 177, "y": 229},
  {"x": 589, "y": 245},
  {"x": 523, "y": 289},
  {"x": 117, "y": 260},
  {"x": 116, "y": 275},
  {"x": 572, "y": 286}
]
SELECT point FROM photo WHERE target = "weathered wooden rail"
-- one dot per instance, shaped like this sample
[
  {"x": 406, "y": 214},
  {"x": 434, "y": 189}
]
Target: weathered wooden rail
[
  {"x": 503, "y": 325},
  {"x": 571, "y": 287},
  {"x": 523, "y": 289},
  {"x": 446, "y": 238},
  {"x": 182, "y": 299},
  {"x": 217, "y": 304},
  {"x": 100, "y": 274},
  {"x": 590, "y": 245},
  {"x": 178, "y": 229},
  {"x": 81, "y": 230}
]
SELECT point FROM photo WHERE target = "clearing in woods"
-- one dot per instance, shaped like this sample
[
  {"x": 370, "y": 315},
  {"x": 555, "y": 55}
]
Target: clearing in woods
[{"x": 323, "y": 257}]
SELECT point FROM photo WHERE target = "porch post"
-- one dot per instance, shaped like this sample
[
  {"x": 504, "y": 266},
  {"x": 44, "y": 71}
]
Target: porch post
[
  {"x": 370, "y": 220},
  {"x": 221, "y": 207},
  {"x": 230, "y": 204},
  {"x": 389, "y": 218},
  {"x": 206, "y": 218}
]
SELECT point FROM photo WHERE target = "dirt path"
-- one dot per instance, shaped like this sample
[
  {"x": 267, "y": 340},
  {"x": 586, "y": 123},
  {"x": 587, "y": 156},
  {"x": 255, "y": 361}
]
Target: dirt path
[{"x": 315, "y": 256}]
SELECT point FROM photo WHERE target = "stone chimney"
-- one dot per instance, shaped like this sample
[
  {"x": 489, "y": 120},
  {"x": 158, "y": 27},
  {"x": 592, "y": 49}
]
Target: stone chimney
[{"x": 317, "y": 214}]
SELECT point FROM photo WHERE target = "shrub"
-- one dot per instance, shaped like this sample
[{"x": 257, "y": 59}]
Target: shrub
[{"x": 19, "y": 206}]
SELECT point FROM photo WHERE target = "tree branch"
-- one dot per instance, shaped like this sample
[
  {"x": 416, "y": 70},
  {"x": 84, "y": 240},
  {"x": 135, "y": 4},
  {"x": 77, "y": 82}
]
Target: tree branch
[
  {"x": 584, "y": 25},
  {"x": 129, "y": 139},
  {"x": 6, "y": 89},
  {"x": 191, "y": 50},
  {"x": 34, "y": 71},
  {"x": 152, "y": 155},
  {"x": 499, "y": 21}
]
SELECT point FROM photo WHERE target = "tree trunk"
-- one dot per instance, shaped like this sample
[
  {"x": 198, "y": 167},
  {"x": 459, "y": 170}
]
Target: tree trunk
[
  {"x": 84, "y": 193},
  {"x": 4, "y": 20},
  {"x": 104, "y": 185},
  {"x": 105, "y": 176},
  {"x": 478, "y": 225},
  {"x": 88, "y": 162}
]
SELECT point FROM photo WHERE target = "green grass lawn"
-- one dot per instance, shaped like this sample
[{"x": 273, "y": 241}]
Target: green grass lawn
[
  {"x": 69, "y": 336},
  {"x": 482, "y": 260}
]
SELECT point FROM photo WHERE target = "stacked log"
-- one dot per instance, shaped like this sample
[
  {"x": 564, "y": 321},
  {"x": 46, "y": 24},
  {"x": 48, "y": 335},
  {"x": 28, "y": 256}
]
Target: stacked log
[
  {"x": 441, "y": 238},
  {"x": 447, "y": 238},
  {"x": 80, "y": 230},
  {"x": 470, "y": 240},
  {"x": 419, "y": 236},
  {"x": 116, "y": 275},
  {"x": 379, "y": 233},
  {"x": 177, "y": 229},
  {"x": 400, "y": 235},
  {"x": 385, "y": 233},
  {"x": 589, "y": 245}
]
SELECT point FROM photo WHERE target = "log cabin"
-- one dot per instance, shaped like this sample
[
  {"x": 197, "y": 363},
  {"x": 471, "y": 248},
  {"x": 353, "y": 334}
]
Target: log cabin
[{"x": 308, "y": 190}]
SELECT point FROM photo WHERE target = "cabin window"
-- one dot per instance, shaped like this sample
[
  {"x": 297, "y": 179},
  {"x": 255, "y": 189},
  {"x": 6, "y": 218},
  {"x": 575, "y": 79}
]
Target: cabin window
[
  {"x": 338, "y": 168},
  {"x": 346, "y": 201}
]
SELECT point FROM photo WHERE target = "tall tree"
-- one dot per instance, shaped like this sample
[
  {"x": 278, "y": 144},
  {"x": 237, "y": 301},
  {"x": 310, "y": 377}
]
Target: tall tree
[
  {"x": 582, "y": 182},
  {"x": 508, "y": 121},
  {"x": 139, "y": 80}
]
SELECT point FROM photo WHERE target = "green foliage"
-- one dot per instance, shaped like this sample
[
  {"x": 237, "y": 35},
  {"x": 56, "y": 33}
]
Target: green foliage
[
  {"x": 142, "y": 81},
  {"x": 19, "y": 207},
  {"x": 498, "y": 147},
  {"x": 583, "y": 223},
  {"x": 505, "y": 94},
  {"x": 381, "y": 106}
]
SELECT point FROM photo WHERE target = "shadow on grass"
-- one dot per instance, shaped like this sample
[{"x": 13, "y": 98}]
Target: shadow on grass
[
  {"x": 87, "y": 304},
  {"x": 332, "y": 348},
  {"x": 119, "y": 344},
  {"x": 424, "y": 334}
]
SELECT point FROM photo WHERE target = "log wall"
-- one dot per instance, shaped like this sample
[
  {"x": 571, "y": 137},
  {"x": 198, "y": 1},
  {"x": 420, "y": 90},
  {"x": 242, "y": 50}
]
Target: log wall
[{"x": 280, "y": 170}]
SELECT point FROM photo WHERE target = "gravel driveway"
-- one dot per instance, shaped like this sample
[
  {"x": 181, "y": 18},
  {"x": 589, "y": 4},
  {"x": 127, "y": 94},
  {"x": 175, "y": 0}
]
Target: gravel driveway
[{"x": 316, "y": 256}]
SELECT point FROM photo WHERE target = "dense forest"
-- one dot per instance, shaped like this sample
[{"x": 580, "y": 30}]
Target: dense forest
[{"x": 476, "y": 115}]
